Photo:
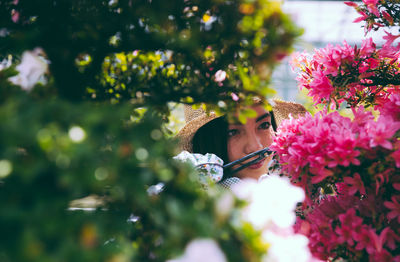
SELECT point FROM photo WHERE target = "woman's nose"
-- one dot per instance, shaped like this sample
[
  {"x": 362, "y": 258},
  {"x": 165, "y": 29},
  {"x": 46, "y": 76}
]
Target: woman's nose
[{"x": 253, "y": 143}]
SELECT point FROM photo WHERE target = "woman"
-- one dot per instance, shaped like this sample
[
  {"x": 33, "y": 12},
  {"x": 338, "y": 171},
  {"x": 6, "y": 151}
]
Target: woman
[{"x": 232, "y": 140}]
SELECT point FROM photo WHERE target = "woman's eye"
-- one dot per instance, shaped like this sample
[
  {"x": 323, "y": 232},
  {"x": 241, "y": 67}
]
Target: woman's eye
[
  {"x": 265, "y": 125},
  {"x": 232, "y": 132}
]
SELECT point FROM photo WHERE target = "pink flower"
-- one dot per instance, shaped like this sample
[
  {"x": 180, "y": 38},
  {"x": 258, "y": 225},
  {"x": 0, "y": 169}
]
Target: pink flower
[
  {"x": 390, "y": 38},
  {"x": 352, "y": 4},
  {"x": 350, "y": 227},
  {"x": 320, "y": 88},
  {"x": 396, "y": 156},
  {"x": 220, "y": 76},
  {"x": 363, "y": 17},
  {"x": 14, "y": 13},
  {"x": 363, "y": 239},
  {"x": 298, "y": 60},
  {"x": 382, "y": 256},
  {"x": 371, "y": 5},
  {"x": 382, "y": 131},
  {"x": 378, "y": 241},
  {"x": 361, "y": 117},
  {"x": 368, "y": 47},
  {"x": 234, "y": 97},
  {"x": 391, "y": 239},
  {"x": 356, "y": 184},
  {"x": 394, "y": 206},
  {"x": 392, "y": 107},
  {"x": 333, "y": 57}
]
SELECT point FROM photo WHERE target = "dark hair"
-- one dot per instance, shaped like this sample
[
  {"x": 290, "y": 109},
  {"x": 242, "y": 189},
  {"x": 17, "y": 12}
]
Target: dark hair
[{"x": 212, "y": 138}]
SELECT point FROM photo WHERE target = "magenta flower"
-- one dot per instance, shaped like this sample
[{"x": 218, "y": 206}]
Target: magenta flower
[
  {"x": 350, "y": 227},
  {"x": 382, "y": 256},
  {"x": 352, "y": 4},
  {"x": 396, "y": 156},
  {"x": 390, "y": 38},
  {"x": 378, "y": 241},
  {"x": 363, "y": 17},
  {"x": 392, "y": 107},
  {"x": 320, "y": 88},
  {"x": 363, "y": 239},
  {"x": 382, "y": 131},
  {"x": 355, "y": 184},
  {"x": 234, "y": 97},
  {"x": 371, "y": 5},
  {"x": 394, "y": 206},
  {"x": 368, "y": 47}
]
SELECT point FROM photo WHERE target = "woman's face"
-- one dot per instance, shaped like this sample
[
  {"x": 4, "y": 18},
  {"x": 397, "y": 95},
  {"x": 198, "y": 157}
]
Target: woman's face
[{"x": 244, "y": 139}]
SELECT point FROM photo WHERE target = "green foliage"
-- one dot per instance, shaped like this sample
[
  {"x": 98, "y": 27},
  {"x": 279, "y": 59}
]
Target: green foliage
[
  {"x": 52, "y": 154},
  {"x": 155, "y": 51},
  {"x": 96, "y": 125}
]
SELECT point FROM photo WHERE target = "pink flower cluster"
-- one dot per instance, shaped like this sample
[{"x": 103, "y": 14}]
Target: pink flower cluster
[
  {"x": 358, "y": 76},
  {"x": 315, "y": 147},
  {"x": 358, "y": 160},
  {"x": 349, "y": 167},
  {"x": 352, "y": 228},
  {"x": 376, "y": 13}
]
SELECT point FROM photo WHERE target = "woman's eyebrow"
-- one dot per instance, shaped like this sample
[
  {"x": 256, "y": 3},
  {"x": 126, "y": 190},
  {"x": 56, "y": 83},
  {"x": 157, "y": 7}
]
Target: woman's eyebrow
[
  {"x": 238, "y": 123},
  {"x": 263, "y": 116}
]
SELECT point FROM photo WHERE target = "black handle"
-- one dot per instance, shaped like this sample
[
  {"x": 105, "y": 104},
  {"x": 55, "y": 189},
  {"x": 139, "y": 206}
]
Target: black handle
[{"x": 260, "y": 153}]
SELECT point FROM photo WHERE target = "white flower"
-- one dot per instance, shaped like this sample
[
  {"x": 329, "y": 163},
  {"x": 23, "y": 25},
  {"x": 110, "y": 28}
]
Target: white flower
[
  {"x": 31, "y": 69},
  {"x": 200, "y": 250},
  {"x": 224, "y": 205},
  {"x": 272, "y": 201},
  {"x": 286, "y": 248},
  {"x": 220, "y": 76}
]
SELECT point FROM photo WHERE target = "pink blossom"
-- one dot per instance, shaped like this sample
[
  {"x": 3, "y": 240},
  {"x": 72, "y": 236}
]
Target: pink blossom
[
  {"x": 378, "y": 241},
  {"x": 322, "y": 242},
  {"x": 363, "y": 17},
  {"x": 234, "y": 97},
  {"x": 363, "y": 239},
  {"x": 297, "y": 60},
  {"x": 390, "y": 38},
  {"x": 352, "y": 4},
  {"x": 333, "y": 57},
  {"x": 320, "y": 88},
  {"x": 382, "y": 256},
  {"x": 391, "y": 239},
  {"x": 350, "y": 227},
  {"x": 392, "y": 107},
  {"x": 14, "y": 16},
  {"x": 371, "y": 5},
  {"x": 382, "y": 131},
  {"x": 321, "y": 142},
  {"x": 361, "y": 117},
  {"x": 396, "y": 156},
  {"x": 356, "y": 184},
  {"x": 14, "y": 13},
  {"x": 368, "y": 47},
  {"x": 220, "y": 76},
  {"x": 394, "y": 206}
]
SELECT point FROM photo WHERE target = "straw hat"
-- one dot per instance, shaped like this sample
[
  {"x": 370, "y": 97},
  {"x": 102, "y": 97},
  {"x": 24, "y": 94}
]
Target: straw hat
[{"x": 197, "y": 118}]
